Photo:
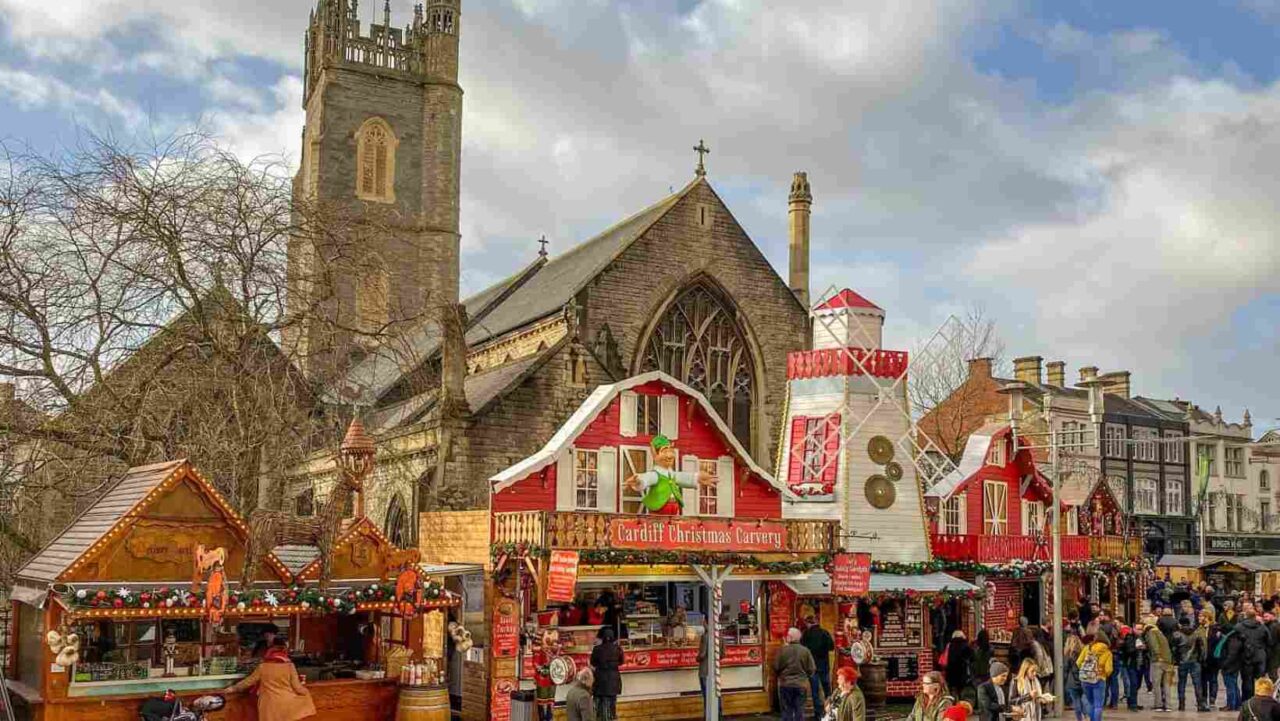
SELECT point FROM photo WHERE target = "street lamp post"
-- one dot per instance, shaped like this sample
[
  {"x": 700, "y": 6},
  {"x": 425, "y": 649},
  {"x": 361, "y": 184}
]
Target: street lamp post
[{"x": 1016, "y": 392}]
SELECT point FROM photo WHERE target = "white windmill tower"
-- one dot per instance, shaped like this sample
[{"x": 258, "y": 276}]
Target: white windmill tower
[{"x": 850, "y": 449}]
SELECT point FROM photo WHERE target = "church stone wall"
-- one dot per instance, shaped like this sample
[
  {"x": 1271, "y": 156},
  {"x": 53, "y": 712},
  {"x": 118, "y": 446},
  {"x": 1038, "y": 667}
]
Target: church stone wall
[
  {"x": 673, "y": 252},
  {"x": 516, "y": 426}
]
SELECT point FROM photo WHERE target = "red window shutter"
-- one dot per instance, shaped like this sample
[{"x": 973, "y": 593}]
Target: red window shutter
[
  {"x": 795, "y": 469},
  {"x": 831, "y": 449}
]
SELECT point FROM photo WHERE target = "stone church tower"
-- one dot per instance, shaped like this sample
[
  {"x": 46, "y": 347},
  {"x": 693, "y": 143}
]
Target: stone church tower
[{"x": 381, "y": 149}]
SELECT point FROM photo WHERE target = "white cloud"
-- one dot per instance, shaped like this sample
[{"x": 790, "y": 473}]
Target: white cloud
[
  {"x": 32, "y": 91},
  {"x": 1110, "y": 226}
]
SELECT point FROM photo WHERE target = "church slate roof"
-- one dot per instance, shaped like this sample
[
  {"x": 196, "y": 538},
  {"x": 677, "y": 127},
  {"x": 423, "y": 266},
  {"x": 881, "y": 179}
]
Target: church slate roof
[{"x": 537, "y": 291}]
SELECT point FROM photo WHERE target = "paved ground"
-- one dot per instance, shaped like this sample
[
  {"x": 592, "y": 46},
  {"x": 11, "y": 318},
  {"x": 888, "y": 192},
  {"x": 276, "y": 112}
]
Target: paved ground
[{"x": 1120, "y": 714}]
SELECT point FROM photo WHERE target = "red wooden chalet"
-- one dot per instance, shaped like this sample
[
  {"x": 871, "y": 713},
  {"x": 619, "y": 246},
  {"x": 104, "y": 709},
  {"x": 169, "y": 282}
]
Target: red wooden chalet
[
  {"x": 992, "y": 508},
  {"x": 652, "y": 577}
]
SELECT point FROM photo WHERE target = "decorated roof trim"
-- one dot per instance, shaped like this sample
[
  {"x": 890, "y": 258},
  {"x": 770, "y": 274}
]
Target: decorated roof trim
[
  {"x": 595, "y": 404},
  {"x": 309, "y": 572}
]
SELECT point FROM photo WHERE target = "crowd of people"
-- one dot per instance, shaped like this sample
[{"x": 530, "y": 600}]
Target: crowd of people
[{"x": 1196, "y": 641}]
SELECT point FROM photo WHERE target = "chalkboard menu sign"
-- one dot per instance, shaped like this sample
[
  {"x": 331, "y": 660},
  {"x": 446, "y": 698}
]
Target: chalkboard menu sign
[
  {"x": 901, "y": 668},
  {"x": 903, "y": 627}
]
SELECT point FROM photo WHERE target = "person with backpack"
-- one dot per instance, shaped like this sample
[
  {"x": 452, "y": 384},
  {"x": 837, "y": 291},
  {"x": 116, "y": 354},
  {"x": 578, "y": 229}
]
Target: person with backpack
[
  {"x": 1257, "y": 645},
  {"x": 1109, "y": 627},
  {"x": 1094, "y": 667},
  {"x": 1263, "y": 706},
  {"x": 1162, "y": 668},
  {"x": 1230, "y": 655},
  {"x": 1188, "y": 653}
]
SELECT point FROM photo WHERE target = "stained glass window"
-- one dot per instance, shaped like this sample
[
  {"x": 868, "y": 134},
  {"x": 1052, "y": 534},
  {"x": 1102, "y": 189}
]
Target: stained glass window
[{"x": 699, "y": 342}]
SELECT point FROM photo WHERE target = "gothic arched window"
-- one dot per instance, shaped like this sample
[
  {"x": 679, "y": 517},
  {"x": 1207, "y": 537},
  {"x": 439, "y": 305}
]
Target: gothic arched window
[
  {"x": 376, "y": 161},
  {"x": 397, "y": 523},
  {"x": 700, "y": 342}
]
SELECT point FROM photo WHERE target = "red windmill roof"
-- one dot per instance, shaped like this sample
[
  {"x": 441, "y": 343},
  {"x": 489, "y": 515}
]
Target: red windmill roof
[{"x": 847, "y": 299}]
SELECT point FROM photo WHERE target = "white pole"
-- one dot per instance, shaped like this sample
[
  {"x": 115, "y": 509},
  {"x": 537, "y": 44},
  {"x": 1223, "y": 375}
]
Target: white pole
[{"x": 1057, "y": 577}]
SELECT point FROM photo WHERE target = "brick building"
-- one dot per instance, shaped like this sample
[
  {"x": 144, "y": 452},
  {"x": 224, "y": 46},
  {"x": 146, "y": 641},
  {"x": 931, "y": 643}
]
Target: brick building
[{"x": 678, "y": 287}]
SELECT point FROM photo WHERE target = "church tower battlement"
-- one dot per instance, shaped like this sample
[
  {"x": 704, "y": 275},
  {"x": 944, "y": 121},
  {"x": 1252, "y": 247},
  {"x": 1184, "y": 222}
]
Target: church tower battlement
[{"x": 382, "y": 142}]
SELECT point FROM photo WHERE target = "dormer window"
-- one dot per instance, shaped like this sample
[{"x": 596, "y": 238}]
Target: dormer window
[
  {"x": 995, "y": 454},
  {"x": 376, "y": 161}
]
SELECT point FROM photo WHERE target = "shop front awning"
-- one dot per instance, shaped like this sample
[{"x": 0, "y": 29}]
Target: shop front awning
[{"x": 818, "y": 583}]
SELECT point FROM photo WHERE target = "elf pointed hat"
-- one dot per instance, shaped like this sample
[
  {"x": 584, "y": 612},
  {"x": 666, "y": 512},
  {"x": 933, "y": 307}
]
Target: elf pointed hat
[{"x": 659, "y": 442}]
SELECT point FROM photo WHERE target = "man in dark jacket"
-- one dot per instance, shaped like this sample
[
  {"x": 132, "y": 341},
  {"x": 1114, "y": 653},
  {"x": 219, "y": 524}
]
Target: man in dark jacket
[
  {"x": 793, "y": 667},
  {"x": 1137, "y": 661},
  {"x": 1257, "y": 647},
  {"x": 1232, "y": 661},
  {"x": 1188, "y": 654},
  {"x": 992, "y": 698},
  {"x": 820, "y": 644},
  {"x": 1167, "y": 623}
]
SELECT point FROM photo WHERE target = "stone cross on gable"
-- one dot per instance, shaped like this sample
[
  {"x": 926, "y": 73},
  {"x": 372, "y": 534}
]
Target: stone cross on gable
[
  {"x": 702, "y": 150},
  {"x": 542, "y": 251}
]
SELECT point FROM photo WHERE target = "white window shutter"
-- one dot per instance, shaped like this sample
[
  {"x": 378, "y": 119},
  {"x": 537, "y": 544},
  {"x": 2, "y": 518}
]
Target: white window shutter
[
  {"x": 689, "y": 464},
  {"x": 627, "y": 414},
  {"x": 725, "y": 486},
  {"x": 564, "y": 481},
  {"x": 607, "y": 478},
  {"x": 963, "y": 526},
  {"x": 669, "y": 416},
  {"x": 1026, "y": 518}
]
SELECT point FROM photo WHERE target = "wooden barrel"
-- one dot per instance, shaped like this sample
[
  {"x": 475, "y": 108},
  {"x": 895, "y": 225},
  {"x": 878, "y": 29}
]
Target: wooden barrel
[
  {"x": 872, "y": 681},
  {"x": 423, "y": 703}
]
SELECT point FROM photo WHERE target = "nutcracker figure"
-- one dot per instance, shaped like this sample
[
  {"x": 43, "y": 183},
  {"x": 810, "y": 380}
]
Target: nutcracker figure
[
  {"x": 545, "y": 648},
  {"x": 660, "y": 488},
  {"x": 170, "y": 652}
]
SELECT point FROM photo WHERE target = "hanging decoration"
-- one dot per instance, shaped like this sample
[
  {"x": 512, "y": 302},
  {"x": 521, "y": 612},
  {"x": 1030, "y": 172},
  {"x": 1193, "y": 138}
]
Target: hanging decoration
[{"x": 215, "y": 598}]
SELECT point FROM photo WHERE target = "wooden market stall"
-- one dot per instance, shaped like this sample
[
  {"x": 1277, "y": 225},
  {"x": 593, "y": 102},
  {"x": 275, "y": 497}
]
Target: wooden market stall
[{"x": 141, "y": 581}]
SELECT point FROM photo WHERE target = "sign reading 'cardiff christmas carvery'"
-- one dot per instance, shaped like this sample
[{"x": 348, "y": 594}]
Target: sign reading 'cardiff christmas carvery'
[{"x": 676, "y": 534}]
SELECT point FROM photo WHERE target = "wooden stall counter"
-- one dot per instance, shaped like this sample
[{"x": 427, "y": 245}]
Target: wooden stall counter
[{"x": 337, "y": 700}]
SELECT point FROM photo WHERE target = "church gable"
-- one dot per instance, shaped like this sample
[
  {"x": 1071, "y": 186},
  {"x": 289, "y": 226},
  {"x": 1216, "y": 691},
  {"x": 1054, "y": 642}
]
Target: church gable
[{"x": 698, "y": 246}]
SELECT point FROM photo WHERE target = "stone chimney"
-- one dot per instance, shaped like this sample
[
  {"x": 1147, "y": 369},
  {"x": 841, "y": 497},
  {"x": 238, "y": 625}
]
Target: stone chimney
[
  {"x": 1115, "y": 383},
  {"x": 1027, "y": 369},
  {"x": 979, "y": 367},
  {"x": 1057, "y": 373},
  {"x": 799, "y": 203},
  {"x": 1088, "y": 373}
]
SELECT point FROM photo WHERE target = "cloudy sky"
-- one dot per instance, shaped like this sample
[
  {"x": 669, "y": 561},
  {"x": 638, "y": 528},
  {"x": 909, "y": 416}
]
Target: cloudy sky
[{"x": 1102, "y": 177}]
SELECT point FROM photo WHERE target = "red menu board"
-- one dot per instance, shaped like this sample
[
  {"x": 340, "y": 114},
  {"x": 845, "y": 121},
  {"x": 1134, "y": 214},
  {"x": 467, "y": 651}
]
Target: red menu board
[
  {"x": 500, "y": 699},
  {"x": 668, "y": 658},
  {"x": 673, "y": 534},
  {"x": 506, "y": 628},
  {"x": 562, "y": 576},
  {"x": 782, "y": 601},
  {"x": 851, "y": 574}
]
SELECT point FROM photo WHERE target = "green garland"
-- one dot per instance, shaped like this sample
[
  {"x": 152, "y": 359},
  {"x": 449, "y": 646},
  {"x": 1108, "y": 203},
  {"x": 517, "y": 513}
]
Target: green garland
[
  {"x": 339, "y": 601},
  {"x": 643, "y": 557},
  {"x": 1015, "y": 569}
]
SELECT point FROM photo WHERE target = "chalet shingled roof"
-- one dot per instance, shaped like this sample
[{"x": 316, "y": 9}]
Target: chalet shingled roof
[{"x": 96, "y": 521}]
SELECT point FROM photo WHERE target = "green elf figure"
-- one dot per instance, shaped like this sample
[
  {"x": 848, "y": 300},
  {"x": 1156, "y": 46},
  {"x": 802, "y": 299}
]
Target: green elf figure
[{"x": 661, "y": 486}]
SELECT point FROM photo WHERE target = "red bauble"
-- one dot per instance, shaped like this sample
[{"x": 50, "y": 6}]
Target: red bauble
[
  {"x": 257, "y": 602},
  {"x": 144, "y": 596},
  {"x": 118, "y": 603},
  {"x": 100, "y": 595}
]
